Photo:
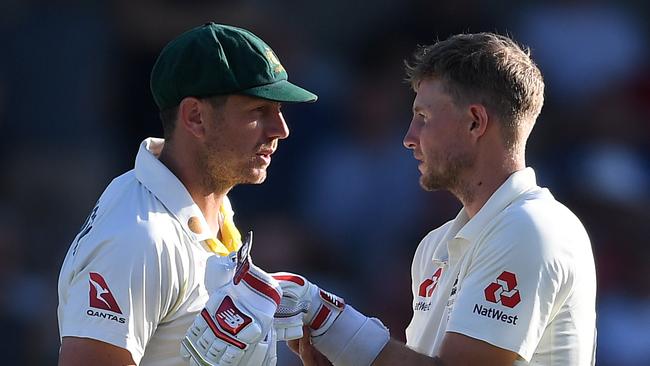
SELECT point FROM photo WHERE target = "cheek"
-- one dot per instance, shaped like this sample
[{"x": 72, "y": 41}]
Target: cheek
[
  {"x": 438, "y": 145},
  {"x": 234, "y": 139},
  {"x": 247, "y": 133},
  {"x": 430, "y": 140}
]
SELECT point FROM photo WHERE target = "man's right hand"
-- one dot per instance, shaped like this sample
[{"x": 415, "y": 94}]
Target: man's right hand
[
  {"x": 341, "y": 333},
  {"x": 305, "y": 350},
  {"x": 235, "y": 327},
  {"x": 303, "y": 303}
]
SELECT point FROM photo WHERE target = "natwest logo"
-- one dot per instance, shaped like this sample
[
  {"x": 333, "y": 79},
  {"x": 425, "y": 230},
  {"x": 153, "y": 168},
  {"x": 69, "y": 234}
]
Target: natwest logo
[
  {"x": 504, "y": 290},
  {"x": 230, "y": 318},
  {"x": 100, "y": 295},
  {"x": 429, "y": 285}
]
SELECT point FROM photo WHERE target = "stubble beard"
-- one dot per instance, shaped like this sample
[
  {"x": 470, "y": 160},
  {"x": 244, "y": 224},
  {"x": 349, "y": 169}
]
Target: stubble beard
[
  {"x": 222, "y": 174},
  {"x": 448, "y": 176}
]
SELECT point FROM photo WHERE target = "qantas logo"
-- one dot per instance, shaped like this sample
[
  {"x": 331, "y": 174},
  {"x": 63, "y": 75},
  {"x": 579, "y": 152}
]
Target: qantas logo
[
  {"x": 429, "y": 285},
  {"x": 100, "y": 295},
  {"x": 103, "y": 315}
]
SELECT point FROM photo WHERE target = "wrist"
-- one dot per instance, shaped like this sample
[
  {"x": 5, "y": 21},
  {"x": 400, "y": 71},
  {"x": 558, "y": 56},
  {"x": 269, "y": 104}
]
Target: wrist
[
  {"x": 353, "y": 339},
  {"x": 320, "y": 318}
]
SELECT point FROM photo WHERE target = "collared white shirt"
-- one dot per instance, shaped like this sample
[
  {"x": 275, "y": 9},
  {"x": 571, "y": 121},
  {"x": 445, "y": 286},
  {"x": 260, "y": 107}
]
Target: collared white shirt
[
  {"x": 519, "y": 275},
  {"x": 134, "y": 275}
]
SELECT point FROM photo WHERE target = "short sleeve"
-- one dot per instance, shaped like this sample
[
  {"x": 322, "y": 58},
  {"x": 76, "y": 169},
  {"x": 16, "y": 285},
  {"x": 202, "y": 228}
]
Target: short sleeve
[
  {"x": 508, "y": 294},
  {"x": 116, "y": 289}
]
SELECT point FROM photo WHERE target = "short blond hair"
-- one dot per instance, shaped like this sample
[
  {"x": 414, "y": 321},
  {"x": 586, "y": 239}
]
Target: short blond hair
[{"x": 485, "y": 68}]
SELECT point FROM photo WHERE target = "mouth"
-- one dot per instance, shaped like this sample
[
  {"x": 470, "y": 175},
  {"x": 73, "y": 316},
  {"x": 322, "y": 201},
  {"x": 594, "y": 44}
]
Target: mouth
[
  {"x": 417, "y": 154},
  {"x": 265, "y": 155},
  {"x": 421, "y": 163}
]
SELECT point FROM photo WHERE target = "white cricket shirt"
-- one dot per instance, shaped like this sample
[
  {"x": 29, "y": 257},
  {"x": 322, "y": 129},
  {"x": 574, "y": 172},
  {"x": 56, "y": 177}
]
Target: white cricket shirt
[
  {"x": 519, "y": 275},
  {"x": 134, "y": 276}
]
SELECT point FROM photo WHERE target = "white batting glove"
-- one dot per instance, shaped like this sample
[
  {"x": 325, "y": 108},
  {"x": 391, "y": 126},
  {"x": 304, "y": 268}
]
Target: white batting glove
[
  {"x": 341, "y": 333},
  {"x": 303, "y": 303},
  {"x": 235, "y": 327}
]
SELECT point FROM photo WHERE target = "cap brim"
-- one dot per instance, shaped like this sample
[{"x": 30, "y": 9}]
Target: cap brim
[{"x": 281, "y": 91}]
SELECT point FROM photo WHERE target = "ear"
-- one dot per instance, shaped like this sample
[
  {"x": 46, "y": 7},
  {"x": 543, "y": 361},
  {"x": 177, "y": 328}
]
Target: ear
[
  {"x": 478, "y": 120},
  {"x": 191, "y": 115}
]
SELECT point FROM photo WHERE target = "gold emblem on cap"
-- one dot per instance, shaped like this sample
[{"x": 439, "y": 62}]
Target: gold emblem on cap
[
  {"x": 195, "y": 225},
  {"x": 277, "y": 66}
]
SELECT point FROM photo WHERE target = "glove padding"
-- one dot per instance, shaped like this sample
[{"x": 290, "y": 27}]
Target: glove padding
[
  {"x": 235, "y": 327},
  {"x": 304, "y": 303},
  {"x": 341, "y": 333}
]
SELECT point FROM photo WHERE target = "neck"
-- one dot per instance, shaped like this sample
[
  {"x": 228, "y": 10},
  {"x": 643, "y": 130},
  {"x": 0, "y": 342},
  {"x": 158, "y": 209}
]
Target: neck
[
  {"x": 205, "y": 195},
  {"x": 480, "y": 183}
]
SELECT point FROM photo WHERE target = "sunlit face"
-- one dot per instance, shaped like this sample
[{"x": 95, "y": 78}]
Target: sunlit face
[
  {"x": 438, "y": 138},
  {"x": 239, "y": 140}
]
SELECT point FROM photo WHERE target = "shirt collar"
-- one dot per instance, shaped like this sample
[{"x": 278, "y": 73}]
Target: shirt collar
[
  {"x": 519, "y": 182},
  {"x": 160, "y": 181},
  {"x": 443, "y": 253}
]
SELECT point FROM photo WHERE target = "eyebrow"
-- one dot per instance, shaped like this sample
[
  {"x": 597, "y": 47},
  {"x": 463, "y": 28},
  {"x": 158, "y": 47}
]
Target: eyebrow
[{"x": 263, "y": 103}]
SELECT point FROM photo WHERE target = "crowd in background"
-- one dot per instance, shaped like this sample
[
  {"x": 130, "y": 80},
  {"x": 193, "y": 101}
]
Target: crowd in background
[{"x": 341, "y": 204}]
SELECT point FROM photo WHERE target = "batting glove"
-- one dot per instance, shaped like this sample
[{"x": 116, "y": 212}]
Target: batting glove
[
  {"x": 235, "y": 327},
  {"x": 341, "y": 333}
]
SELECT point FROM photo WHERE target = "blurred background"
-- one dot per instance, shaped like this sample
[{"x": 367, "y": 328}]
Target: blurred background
[{"x": 342, "y": 203}]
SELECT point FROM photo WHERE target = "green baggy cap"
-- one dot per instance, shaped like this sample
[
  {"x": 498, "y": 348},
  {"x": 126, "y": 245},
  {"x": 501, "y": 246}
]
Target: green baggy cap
[{"x": 217, "y": 59}]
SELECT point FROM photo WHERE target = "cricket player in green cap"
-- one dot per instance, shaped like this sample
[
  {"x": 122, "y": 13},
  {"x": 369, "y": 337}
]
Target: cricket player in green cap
[{"x": 159, "y": 273}]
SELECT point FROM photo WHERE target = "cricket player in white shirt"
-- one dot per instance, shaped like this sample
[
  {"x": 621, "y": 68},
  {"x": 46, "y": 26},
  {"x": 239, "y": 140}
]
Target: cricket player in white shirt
[
  {"x": 159, "y": 261},
  {"x": 510, "y": 280}
]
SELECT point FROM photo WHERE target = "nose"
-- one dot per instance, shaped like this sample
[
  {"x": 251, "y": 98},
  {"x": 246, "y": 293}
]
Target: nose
[
  {"x": 411, "y": 139},
  {"x": 277, "y": 128}
]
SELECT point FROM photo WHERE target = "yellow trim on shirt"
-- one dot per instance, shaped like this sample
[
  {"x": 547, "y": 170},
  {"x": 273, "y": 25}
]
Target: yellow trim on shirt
[{"x": 230, "y": 236}]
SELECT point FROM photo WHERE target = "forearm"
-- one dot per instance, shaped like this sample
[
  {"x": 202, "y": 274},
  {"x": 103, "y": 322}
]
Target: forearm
[
  {"x": 396, "y": 353},
  {"x": 77, "y": 351},
  {"x": 347, "y": 337},
  {"x": 456, "y": 350}
]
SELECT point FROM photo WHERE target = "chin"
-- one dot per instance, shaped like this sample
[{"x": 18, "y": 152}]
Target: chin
[
  {"x": 431, "y": 183},
  {"x": 259, "y": 181},
  {"x": 257, "y": 176},
  {"x": 426, "y": 185}
]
